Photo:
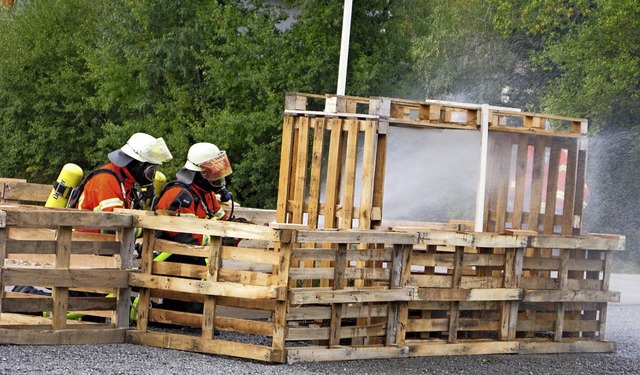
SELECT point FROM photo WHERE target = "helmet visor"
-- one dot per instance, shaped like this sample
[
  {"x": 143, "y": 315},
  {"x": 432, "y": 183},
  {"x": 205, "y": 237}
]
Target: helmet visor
[
  {"x": 216, "y": 168},
  {"x": 155, "y": 152}
]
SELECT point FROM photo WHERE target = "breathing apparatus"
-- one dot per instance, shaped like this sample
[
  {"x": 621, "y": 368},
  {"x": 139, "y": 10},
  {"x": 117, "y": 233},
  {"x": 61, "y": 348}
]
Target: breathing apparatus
[{"x": 69, "y": 178}]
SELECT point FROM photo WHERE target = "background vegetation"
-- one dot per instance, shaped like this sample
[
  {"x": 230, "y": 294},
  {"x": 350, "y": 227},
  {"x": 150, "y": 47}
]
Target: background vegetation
[{"x": 78, "y": 77}]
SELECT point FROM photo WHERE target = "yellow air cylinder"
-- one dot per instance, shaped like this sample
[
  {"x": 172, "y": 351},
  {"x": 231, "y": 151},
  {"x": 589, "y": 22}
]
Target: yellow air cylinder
[
  {"x": 69, "y": 178},
  {"x": 158, "y": 183}
]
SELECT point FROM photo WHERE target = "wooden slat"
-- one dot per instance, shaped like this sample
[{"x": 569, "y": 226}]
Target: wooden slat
[
  {"x": 538, "y": 171},
  {"x": 320, "y": 354},
  {"x": 570, "y": 296},
  {"x": 301, "y": 296},
  {"x": 334, "y": 170},
  {"x": 281, "y": 305},
  {"x": 20, "y": 190},
  {"x": 349, "y": 180},
  {"x": 196, "y": 344},
  {"x": 199, "y": 226},
  {"x": 459, "y": 294},
  {"x": 300, "y": 172},
  {"x": 202, "y": 287},
  {"x": 67, "y": 278},
  {"x": 520, "y": 181},
  {"x": 339, "y": 282},
  {"x": 356, "y": 236},
  {"x": 566, "y": 347},
  {"x": 315, "y": 178},
  {"x": 49, "y": 247},
  {"x": 285, "y": 169},
  {"x": 52, "y": 218},
  {"x": 368, "y": 174},
  {"x": 62, "y": 337},
  {"x": 213, "y": 273}
]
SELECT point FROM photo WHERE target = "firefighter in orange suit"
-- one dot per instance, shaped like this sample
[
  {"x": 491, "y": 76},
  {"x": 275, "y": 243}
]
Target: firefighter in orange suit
[
  {"x": 193, "y": 193},
  {"x": 113, "y": 185}
]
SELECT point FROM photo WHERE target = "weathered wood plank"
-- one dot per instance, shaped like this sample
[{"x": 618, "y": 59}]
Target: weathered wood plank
[
  {"x": 34, "y": 304},
  {"x": 329, "y": 254},
  {"x": 355, "y": 236},
  {"x": 62, "y": 337},
  {"x": 20, "y": 190},
  {"x": 301, "y": 296},
  {"x": 67, "y": 278},
  {"x": 196, "y": 344},
  {"x": 320, "y": 354},
  {"x": 199, "y": 226},
  {"x": 324, "y": 312},
  {"x": 566, "y": 347},
  {"x": 202, "y": 287},
  {"x": 570, "y": 296},
  {"x": 457, "y": 294},
  {"x": 285, "y": 168},
  {"x": 52, "y": 218}
]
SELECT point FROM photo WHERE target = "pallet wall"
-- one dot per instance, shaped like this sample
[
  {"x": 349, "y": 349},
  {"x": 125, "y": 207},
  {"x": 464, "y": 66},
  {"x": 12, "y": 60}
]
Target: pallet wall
[
  {"x": 237, "y": 296},
  {"x": 39, "y": 247},
  {"x": 288, "y": 293}
]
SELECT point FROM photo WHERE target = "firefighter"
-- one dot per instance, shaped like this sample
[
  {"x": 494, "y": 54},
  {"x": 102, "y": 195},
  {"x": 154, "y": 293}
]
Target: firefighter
[
  {"x": 194, "y": 194},
  {"x": 113, "y": 185},
  {"x": 195, "y": 190}
]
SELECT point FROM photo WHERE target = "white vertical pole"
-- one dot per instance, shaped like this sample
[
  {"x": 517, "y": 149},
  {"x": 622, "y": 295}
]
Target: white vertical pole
[
  {"x": 482, "y": 181},
  {"x": 344, "y": 47}
]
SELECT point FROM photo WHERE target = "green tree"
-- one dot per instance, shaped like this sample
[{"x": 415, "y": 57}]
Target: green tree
[
  {"x": 592, "y": 48},
  {"x": 44, "y": 113},
  {"x": 147, "y": 74}
]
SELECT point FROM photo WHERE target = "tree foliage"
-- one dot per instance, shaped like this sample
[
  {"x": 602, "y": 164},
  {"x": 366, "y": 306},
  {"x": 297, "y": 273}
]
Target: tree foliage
[
  {"x": 592, "y": 46},
  {"x": 44, "y": 113},
  {"x": 188, "y": 71}
]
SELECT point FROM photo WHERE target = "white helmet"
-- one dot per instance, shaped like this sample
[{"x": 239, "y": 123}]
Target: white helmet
[
  {"x": 207, "y": 158},
  {"x": 199, "y": 153},
  {"x": 145, "y": 148}
]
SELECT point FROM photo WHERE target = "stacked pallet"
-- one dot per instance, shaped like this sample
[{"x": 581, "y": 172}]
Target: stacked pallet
[{"x": 330, "y": 279}]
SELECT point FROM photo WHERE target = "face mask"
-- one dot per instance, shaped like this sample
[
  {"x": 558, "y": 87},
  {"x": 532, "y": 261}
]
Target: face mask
[
  {"x": 203, "y": 183},
  {"x": 143, "y": 173}
]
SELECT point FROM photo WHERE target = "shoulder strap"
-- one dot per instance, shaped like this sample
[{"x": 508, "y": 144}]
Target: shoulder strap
[{"x": 74, "y": 197}]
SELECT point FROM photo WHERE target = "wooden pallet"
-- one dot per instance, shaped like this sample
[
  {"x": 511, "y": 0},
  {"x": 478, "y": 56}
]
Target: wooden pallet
[{"x": 40, "y": 248}]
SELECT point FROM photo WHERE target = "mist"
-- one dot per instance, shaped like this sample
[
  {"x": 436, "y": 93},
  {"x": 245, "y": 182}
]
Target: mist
[{"x": 431, "y": 174}]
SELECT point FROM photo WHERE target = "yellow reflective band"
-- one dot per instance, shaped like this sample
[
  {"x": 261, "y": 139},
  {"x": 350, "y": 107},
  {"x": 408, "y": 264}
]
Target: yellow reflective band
[
  {"x": 107, "y": 203},
  {"x": 218, "y": 215},
  {"x": 206, "y": 240}
]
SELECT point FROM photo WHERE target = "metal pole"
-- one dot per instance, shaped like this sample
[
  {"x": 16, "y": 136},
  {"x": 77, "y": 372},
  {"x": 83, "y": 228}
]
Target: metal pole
[
  {"x": 344, "y": 47},
  {"x": 482, "y": 181}
]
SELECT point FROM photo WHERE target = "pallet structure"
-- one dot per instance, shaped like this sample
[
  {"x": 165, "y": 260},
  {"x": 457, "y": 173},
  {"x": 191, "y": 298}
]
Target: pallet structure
[{"x": 329, "y": 279}]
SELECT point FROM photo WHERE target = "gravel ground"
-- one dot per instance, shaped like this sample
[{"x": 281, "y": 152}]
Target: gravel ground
[{"x": 623, "y": 327}]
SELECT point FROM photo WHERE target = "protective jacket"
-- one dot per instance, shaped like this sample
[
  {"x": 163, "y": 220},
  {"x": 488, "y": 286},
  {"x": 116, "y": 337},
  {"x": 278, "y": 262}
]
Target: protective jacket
[
  {"x": 184, "y": 200},
  {"x": 104, "y": 192}
]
